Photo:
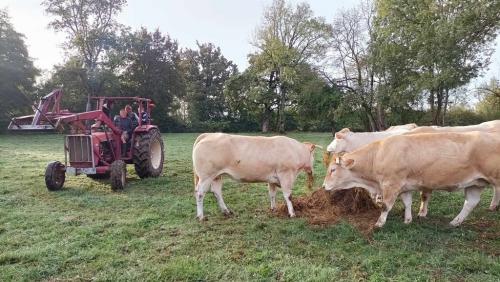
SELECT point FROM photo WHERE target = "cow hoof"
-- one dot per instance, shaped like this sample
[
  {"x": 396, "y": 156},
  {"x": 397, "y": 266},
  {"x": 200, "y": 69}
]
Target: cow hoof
[
  {"x": 422, "y": 215},
  {"x": 228, "y": 213},
  {"x": 379, "y": 225},
  {"x": 292, "y": 215},
  {"x": 201, "y": 218},
  {"x": 407, "y": 221},
  {"x": 455, "y": 223},
  {"x": 493, "y": 208}
]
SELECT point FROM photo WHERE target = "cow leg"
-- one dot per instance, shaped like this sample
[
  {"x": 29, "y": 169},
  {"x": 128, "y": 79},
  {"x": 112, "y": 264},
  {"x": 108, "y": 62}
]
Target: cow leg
[
  {"x": 286, "y": 183},
  {"x": 472, "y": 197},
  {"x": 496, "y": 197},
  {"x": 201, "y": 188},
  {"x": 388, "y": 199},
  {"x": 272, "y": 195},
  {"x": 425, "y": 196},
  {"x": 217, "y": 190},
  {"x": 406, "y": 198}
]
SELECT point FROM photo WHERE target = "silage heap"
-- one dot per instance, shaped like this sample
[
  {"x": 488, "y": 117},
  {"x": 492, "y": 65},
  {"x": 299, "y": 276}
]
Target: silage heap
[{"x": 325, "y": 208}]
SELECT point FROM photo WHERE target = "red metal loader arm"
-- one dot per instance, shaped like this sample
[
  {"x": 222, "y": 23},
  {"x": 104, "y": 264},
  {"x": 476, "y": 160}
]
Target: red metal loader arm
[{"x": 77, "y": 120}]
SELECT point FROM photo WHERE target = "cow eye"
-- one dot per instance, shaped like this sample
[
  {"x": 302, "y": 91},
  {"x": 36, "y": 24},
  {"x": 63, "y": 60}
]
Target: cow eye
[{"x": 333, "y": 169}]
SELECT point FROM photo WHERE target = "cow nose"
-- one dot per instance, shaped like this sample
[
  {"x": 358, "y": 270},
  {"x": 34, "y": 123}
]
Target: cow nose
[{"x": 323, "y": 186}]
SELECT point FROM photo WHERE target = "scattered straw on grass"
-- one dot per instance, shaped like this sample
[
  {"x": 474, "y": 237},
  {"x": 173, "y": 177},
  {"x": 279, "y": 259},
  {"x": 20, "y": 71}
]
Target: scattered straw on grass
[{"x": 325, "y": 207}]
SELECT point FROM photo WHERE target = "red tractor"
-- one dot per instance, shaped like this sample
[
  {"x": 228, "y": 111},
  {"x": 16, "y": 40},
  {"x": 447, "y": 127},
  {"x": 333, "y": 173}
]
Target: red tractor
[{"x": 99, "y": 151}]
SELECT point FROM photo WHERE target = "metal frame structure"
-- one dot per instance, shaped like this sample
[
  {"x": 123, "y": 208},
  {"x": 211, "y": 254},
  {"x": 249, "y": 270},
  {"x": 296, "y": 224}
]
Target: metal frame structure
[{"x": 45, "y": 114}]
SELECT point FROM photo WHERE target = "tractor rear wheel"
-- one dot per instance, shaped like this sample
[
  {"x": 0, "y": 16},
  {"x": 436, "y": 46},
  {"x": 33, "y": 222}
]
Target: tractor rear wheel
[
  {"x": 55, "y": 174},
  {"x": 149, "y": 154},
  {"x": 118, "y": 175}
]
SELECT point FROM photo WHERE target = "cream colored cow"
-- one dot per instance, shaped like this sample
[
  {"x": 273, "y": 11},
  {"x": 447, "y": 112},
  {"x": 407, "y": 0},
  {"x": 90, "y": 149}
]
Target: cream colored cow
[
  {"x": 489, "y": 126},
  {"x": 401, "y": 164},
  {"x": 408, "y": 126},
  {"x": 493, "y": 125},
  {"x": 273, "y": 160}
]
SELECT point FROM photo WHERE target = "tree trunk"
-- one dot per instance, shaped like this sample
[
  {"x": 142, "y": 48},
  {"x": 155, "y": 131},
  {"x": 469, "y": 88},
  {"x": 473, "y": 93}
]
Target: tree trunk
[
  {"x": 439, "y": 106},
  {"x": 266, "y": 117},
  {"x": 373, "y": 124},
  {"x": 446, "y": 96},
  {"x": 380, "y": 117},
  {"x": 281, "y": 109},
  {"x": 431, "y": 102}
]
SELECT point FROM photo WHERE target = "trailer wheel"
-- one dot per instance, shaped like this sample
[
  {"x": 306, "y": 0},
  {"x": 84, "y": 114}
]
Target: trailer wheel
[
  {"x": 55, "y": 174},
  {"x": 149, "y": 154},
  {"x": 118, "y": 175}
]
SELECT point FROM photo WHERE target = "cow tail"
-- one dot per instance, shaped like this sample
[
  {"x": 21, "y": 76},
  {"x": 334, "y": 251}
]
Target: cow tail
[
  {"x": 326, "y": 158},
  {"x": 196, "y": 179},
  {"x": 310, "y": 180}
]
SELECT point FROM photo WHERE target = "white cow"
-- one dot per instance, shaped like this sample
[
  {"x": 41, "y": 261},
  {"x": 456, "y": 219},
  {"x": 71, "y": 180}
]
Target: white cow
[
  {"x": 274, "y": 160},
  {"x": 347, "y": 141}
]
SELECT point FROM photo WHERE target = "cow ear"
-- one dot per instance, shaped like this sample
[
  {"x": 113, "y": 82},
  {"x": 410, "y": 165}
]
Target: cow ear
[
  {"x": 312, "y": 146},
  {"x": 342, "y": 133},
  {"x": 349, "y": 163}
]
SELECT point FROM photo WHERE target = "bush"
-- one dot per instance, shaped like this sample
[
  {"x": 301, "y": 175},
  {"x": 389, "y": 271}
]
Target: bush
[{"x": 460, "y": 115}]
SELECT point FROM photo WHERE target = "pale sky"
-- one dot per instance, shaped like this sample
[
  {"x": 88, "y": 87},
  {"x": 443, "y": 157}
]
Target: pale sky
[{"x": 228, "y": 24}]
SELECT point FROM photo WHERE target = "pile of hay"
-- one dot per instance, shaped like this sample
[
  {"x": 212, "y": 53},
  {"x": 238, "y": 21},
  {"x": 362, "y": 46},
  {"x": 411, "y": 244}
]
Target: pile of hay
[{"x": 325, "y": 207}]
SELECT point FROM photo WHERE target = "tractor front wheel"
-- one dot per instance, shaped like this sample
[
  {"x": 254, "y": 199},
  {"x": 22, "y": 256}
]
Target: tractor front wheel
[
  {"x": 149, "y": 154},
  {"x": 55, "y": 174},
  {"x": 118, "y": 175}
]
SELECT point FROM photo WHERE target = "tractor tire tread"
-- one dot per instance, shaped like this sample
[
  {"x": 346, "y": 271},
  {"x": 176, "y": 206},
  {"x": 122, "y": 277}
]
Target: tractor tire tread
[
  {"x": 50, "y": 176},
  {"x": 117, "y": 168},
  {"x": 142, "y": 156}
]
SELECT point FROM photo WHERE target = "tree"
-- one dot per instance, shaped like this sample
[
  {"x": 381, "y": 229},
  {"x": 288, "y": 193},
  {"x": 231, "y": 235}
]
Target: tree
[
  {"x": 489, "y": 100},
  {"x": 431, "y": 47},
  {"x": 91, "y": 28},
  {"x": 206, "y": 71},
  {"x": 17, "y": 73},
  {"x": 351, "y": 50},
  {"x": 69, "y": 77},
  {"x": 288, "y": 37},
  {"x": 316, "y": 102},
  {"x": 152, "y": 69},
  {"x": 250, "y": 100}
]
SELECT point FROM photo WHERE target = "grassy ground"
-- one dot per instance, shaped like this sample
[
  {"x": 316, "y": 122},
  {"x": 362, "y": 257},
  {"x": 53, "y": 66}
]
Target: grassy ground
[{"x": 149, "y": 231}]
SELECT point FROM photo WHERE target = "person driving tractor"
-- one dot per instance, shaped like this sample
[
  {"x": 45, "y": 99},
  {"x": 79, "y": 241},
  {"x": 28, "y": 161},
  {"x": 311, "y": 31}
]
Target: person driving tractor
[
  {"x": 124, "y": 122},
  {"x": 133, "y": 116}
]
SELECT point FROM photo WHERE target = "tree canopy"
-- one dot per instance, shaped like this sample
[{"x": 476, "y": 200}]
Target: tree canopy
[
  {"x": 17, "y": 72},
  {"x": 380, "y": 63}
]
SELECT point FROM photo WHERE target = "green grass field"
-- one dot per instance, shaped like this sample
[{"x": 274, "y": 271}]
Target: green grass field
[{"x": 149, "y": 231}]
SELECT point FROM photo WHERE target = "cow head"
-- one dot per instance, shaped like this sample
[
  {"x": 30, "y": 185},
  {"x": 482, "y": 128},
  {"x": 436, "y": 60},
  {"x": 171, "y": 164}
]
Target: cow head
[
  {"x": 339, "y": 174},
  {"x": 339, "y": 143}
]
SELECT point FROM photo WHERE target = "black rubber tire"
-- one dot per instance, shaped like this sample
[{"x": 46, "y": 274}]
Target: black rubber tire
[
  {"x": 118, "y": 175},
  {"x": 98, "y": 176},
  {"x": 55, "y": 174},
  {"x": 145, "y": 146}
]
